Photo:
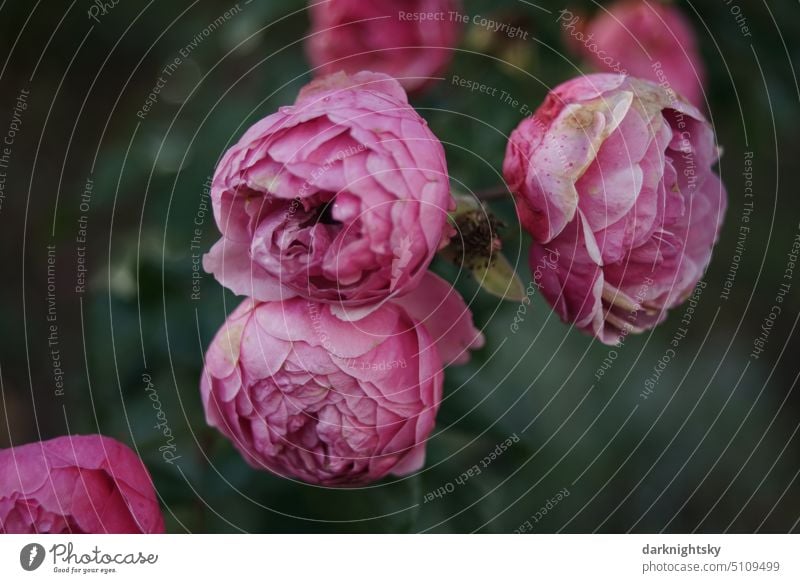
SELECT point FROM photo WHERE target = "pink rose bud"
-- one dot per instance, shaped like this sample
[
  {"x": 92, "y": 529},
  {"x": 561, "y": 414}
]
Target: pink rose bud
[
  {"x": 341, "y": 198},
  {"x": 614, "y": 181},
  {"x": 78, "y": 484},
  {"x": 411, "y": 40},
  {"x": 306, "y": 395},
  {"x": 650, "y": 40}
]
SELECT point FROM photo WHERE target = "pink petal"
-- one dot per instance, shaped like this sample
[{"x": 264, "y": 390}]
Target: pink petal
[{"x": 440, "y": 308}]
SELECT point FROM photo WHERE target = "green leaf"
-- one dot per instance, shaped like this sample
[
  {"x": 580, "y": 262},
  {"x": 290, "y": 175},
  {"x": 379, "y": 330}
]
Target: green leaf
[{"x": 499, "y": 279}]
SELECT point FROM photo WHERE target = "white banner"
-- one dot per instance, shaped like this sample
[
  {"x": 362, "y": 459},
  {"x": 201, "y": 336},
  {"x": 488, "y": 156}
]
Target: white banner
[{"x": 401, "y": 558}]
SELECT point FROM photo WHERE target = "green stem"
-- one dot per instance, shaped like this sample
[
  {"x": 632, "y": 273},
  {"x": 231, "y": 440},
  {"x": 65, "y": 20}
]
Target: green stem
[{"x": 497, "y": 192}]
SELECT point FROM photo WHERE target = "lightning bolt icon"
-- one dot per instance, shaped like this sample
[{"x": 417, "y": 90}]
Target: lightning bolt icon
[{"x": 34, "y": 552}]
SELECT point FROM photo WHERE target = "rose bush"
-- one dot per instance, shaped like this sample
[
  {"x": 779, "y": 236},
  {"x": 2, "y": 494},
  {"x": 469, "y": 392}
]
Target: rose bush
[
  {"x": 613, "y": 176},
  {"x": 76, "y": 484},
  {"x": 307, "y": 395},
  {"x": 411, "y": 40},
  {"x": 340, "y": 198}
]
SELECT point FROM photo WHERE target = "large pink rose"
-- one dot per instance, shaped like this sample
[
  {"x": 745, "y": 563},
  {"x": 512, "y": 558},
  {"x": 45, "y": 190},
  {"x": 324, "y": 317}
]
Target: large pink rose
[
  {"x": 411, "y": 40},
  {"x": 340, "y": 198},
  {"x": 76, "y": 484},
  {"x": 650, "y": 40},
  {"x": 307, "y": 395},
  {"x": 614, "y": 181}
]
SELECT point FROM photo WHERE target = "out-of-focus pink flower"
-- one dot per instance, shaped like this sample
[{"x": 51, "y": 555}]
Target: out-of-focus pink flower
[
  {"x": 341, "y": 198},
  {"x": 642, "y": 38},
  {"x": 614, "y": 181},
  {"x": 411, "y": 40},
  {"x": 307, "y": 395},
  {"x": 76, "y": 484}
]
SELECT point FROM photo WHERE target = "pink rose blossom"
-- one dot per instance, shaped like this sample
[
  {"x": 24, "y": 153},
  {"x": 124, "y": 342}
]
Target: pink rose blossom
[
  {"x": 76, "y": 484},
  {"x": 306, "y": 395},
  {"x": 411, "y": 40},
  {"x": 614, "y": 181},
  {"x": 341, "y": 198},
  {"x": 646, "y": 39}
]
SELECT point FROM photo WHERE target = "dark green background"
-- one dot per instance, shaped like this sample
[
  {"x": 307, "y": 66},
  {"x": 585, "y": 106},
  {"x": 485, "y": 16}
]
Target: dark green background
[{"x": 714, "y": 448}]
